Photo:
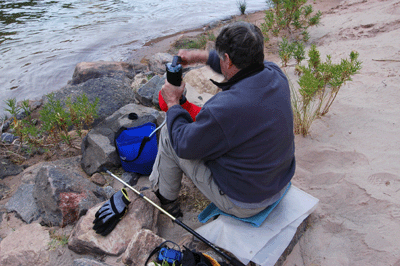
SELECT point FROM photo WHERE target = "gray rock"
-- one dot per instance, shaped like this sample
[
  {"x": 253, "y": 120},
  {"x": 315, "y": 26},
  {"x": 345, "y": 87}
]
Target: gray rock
[
  {"x": 63, "y": 195},
  {"x": 21, "y": 115},
  {"x": 130, "y": 178},
  {"x": 157, "y": 62},
  {"x": 5, "y": 126},
  {"x": 7, "y": 168},
  {"x": 148, "y": 93},
  {"x": 7, "y": 137},
  {"x": 36, "y": 104},
  {"x": 112, "y": 92},
  {"x": 98, "y": 148},
  {"x": 140, "y": 215},
  {"x": 23, "y": 203},
  {"x": 88, "y": 262},
  {"x": 142, "y": 244},
  {"x": 109, "y": 191}
]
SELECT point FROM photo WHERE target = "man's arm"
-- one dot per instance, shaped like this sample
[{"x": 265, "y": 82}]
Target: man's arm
[{"x": 190, "y": 57}]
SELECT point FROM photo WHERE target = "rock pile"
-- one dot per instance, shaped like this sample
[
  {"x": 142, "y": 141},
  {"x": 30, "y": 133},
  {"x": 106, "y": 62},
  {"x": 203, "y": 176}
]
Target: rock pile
[{"x": 68, "y": 192}]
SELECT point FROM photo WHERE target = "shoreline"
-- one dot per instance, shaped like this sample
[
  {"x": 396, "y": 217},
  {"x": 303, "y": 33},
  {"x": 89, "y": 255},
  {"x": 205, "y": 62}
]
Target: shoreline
[{"x": 163, "y": 44}]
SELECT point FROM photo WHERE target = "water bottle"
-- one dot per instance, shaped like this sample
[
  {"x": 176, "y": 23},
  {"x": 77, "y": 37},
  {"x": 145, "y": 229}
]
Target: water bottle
[{"x": 174, "y": 71}]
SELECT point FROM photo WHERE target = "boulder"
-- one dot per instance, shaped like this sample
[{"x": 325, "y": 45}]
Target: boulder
[
  {"x": 193, "y": 96},
  {"x": 199, "y": 78},
  {"x": 112, "y": 93},
  {"x": 147, "y": 95},
  {"x": 98, "y": 148},
  {"x": 140, "y": 215},
  {"x": 90, "y": 70},
  {"x": 25, "y": 246},
  {"x": 63, "y": 195},
  {"x": 7, "y": 168},
  {"x": 157, "y": 62},
  {"x": 139, "y": 81},
  {"x": 23, "y": 203},
  {"x": 141, "y": 245}
]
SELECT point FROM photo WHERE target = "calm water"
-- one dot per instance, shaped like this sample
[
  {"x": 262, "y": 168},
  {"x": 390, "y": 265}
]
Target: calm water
[{"x": 42, "y": 41}]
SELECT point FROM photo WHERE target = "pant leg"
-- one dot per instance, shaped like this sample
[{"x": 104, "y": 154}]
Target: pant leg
[{"x": 167, "y": 176}]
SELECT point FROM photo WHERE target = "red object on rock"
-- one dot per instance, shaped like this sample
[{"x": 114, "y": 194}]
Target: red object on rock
[{"x": 190, "y": 107}]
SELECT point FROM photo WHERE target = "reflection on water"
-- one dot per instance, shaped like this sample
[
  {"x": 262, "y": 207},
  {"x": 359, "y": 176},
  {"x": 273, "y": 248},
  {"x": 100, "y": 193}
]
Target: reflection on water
[{"x": 42, "y": 41}]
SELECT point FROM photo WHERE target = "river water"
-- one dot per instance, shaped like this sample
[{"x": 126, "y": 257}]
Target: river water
[{"x": 42, "y": 41}]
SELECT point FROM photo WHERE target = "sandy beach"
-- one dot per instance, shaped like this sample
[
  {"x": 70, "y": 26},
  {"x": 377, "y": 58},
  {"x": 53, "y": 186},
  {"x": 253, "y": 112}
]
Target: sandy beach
[{"x": 350, "y": 160}]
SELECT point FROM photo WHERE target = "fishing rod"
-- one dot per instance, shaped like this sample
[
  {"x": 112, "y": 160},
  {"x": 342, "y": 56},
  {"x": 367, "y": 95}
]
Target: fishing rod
[{"x": 233, "y": 261}]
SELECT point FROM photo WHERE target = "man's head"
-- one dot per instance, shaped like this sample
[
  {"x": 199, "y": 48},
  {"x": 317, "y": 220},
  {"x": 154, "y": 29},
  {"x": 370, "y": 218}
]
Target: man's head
[{"x": 243, "y": 42}]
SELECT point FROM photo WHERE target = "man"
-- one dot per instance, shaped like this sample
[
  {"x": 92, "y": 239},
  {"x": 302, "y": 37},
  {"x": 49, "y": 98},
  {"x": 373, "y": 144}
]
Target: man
[{"x": 240, "y": 150}]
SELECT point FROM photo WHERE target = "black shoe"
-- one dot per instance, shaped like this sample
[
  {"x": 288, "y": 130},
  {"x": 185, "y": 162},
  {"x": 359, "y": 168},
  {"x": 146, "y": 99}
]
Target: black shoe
[{"x": 171, "y": 206}]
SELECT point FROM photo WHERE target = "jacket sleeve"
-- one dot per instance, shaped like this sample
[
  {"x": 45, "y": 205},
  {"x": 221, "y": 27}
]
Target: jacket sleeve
[
  {"x": 203, "y": 139},
  {"x": 213, "y": 61}
]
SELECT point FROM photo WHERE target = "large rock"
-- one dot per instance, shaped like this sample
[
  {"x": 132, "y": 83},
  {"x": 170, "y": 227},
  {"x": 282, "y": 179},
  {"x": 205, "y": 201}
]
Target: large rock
[
  {"x": 140, "y": 215},
  {"x": 157, "y": 62},
  {"x": 142, "y": 244},
  {"x": 98, "y": 148},
  {"x": 148, "y": 93},
  {"x": 23, "y": 203},
  {"x": 89, "y": 70},
  {"x": 112, "y": 92},
  {"x": 26, "y": 246},
  {"x": 63, "y": 195},
  {"x": 199, "y": 78}
]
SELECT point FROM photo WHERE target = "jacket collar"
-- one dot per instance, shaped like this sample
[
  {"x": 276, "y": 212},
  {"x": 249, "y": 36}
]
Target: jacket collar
[{"x": 242, "y": 74}]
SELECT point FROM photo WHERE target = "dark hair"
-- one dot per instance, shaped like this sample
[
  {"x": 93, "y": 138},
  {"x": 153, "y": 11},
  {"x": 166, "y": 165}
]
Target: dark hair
[{"x": 243, "y": 42}]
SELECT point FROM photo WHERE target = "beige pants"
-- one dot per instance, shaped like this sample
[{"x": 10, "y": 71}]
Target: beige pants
[{"x": 167, "y": 176}]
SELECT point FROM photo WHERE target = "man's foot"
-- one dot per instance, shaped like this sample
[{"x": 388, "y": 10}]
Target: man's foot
[{"x": 171, "y": 206}]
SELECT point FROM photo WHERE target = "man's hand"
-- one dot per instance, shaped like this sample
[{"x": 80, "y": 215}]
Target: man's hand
[
  {"x": 171, "y": 93},
  {"x": 193, "y": 56}
]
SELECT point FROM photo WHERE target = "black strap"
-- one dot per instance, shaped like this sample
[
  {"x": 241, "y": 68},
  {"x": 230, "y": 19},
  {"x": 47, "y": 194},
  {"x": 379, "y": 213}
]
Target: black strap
[
  {"x": 142, "y": 144},
  {"x": 157, "y": 249}
]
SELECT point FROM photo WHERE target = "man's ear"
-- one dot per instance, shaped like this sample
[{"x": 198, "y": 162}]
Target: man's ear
[{"x": 230, "y": 64}]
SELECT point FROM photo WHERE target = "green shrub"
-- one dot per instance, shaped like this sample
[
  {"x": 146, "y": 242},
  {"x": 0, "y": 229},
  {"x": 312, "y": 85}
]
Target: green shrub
[
  {"x": 288, "y": 50},
  {"x": 242, "y": 6},
  {"x": 319, "y": 84},
  {"x": 54, "y": 123},
  {"x": 289, "y": 16}
]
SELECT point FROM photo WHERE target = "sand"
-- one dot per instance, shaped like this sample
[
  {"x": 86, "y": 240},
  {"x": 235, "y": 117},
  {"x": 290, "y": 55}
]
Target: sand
[{"x": 350, "y": 160}]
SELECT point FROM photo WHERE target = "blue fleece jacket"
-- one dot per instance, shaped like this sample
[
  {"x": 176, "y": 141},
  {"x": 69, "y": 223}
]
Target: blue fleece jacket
[{"x": 244, "y": 133}]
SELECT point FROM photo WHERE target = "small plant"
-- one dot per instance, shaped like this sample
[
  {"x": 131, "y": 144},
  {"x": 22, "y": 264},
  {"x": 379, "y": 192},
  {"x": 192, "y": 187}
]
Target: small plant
[
  {"x": 288, "y": 50},
  {"x": 13, "y": 109},
  {"x": 289, "y": 16},
  {"x": 285, "y": 51},
  {"x": 57, "y": 240},
  {"x": 319, "y": 84},
  {"x": 82, "y": 112},
  {"x": 242, "y": 6},
  {"x": 56, "y": 120}
]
